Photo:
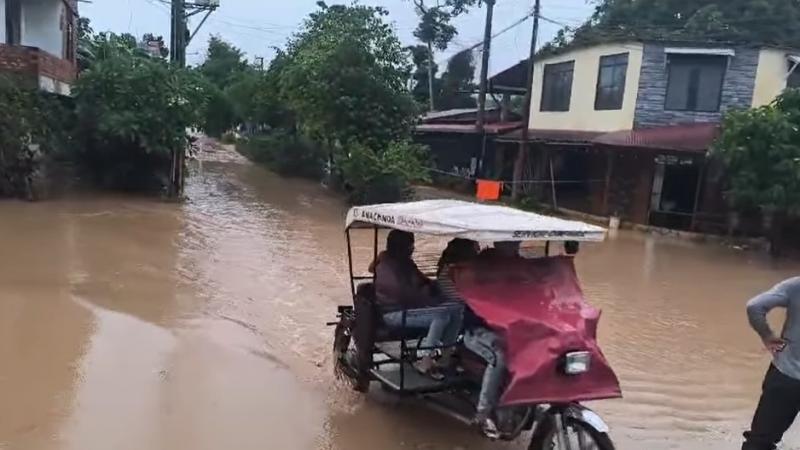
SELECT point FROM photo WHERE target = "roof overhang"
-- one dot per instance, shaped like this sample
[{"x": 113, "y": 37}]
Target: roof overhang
[
  {"x": 700, "y": 51},
  {"x": 794, "y": 59}
]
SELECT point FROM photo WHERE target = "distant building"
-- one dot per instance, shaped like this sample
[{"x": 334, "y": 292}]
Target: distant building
[
  {"x": 458, "y": 147},
  {"x": 626, "y": 126},
  {"x": 38, "y": 41}
]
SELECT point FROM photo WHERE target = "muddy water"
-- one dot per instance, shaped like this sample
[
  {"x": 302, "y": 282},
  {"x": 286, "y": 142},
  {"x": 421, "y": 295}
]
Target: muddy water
[{"x": 130, "y": 324}]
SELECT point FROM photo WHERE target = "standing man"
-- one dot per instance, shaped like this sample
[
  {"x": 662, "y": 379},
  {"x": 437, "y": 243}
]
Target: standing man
[{"x": 780, "y": 399}]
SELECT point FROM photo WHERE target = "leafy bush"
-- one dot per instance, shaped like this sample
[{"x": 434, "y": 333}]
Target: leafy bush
[
  {"x": 132, "y": 114},
  {"x": 35, "y": 126},
  {"x": 761, "y": 149},
  {"x": 345, "y": 77},
  {"x": 228, "y": 138},
  {"x": 371, "y": 177},
  {"x": 286, "y": 154},
  {"x": 220, "y": 115}
]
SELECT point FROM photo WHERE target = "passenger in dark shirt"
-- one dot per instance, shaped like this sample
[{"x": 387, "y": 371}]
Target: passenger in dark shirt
[{"x": 400, "y": 285}]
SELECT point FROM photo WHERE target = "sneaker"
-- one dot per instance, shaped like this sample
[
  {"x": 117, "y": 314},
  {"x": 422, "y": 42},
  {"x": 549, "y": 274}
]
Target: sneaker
[{"x": 488, "y": 427}]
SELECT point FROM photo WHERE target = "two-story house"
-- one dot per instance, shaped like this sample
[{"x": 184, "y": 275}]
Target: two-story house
[
  {"x": 38, "y": 40},
  {"x": 624, "y": 128}
]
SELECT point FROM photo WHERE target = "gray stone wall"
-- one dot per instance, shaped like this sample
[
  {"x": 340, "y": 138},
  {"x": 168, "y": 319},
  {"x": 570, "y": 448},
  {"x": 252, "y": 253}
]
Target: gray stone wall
[{"x": 737, "y": 88}]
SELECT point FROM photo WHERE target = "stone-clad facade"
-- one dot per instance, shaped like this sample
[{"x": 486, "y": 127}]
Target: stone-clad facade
[{"x": 737, "y": 89}]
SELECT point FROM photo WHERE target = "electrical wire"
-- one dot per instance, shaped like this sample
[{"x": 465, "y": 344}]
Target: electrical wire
[{"x": 478, "y": 45}]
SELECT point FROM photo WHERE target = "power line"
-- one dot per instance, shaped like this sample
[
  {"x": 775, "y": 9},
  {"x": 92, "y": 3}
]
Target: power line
[{"x": 515, "y": 24}]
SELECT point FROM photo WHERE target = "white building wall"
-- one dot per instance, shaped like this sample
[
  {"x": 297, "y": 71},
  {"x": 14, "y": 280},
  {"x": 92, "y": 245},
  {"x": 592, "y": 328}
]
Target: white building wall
[
  {"x": 42, "y": 25},
  {"x": 2, "y": 21}
]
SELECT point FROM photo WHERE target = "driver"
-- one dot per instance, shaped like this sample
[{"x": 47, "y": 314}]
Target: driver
[
  {"x": 478, "y": 337},
  {"x": 399, "y": 285}
]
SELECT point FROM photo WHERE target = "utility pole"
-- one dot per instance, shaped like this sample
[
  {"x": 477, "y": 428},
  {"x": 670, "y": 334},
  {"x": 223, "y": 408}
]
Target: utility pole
[
  {"x": 179, "y": 40},
  {"x": 487, "y": 44},
  {"x": 484, "y": 81},
  {"x": 519, "y": 163},
  {"x": 177, "y": 49},
  {"x": 430, "y": 77}
]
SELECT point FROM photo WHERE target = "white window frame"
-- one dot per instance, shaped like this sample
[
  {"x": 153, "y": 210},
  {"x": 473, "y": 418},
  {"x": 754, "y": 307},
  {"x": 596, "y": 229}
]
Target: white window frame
[{"x": 700, "y": 51}]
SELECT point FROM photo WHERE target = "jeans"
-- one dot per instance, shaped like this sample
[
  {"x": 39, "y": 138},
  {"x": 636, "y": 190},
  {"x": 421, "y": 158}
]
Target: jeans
[
  {"x": 443, "y": 323},
  {"x": 487, "y": 344},
  {"x": 777, "y": 409}
]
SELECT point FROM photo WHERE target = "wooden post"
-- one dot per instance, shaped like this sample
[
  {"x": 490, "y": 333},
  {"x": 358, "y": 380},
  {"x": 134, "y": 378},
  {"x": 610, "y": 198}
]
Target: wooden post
[
  {"x": 697, "y": 192},
  {"x": 519, "y": 163},
  {"x": 552, "y": 181},
  {"x": 610, "y": 156}
]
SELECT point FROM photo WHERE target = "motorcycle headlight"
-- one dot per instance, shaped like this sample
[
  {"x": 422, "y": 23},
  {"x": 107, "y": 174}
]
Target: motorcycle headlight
[{"x": 576, "y": 363}]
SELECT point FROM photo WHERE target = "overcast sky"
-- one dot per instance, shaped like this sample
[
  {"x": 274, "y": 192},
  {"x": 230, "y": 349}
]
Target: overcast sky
[{"x": 256, "y": 25}]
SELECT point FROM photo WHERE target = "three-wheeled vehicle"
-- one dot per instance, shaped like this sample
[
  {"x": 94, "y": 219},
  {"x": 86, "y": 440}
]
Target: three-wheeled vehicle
[{"x": 534, "y": 304}]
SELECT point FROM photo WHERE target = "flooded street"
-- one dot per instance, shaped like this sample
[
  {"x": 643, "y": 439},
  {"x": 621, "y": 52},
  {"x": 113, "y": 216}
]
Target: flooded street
[{"x": 132, "y": 324}]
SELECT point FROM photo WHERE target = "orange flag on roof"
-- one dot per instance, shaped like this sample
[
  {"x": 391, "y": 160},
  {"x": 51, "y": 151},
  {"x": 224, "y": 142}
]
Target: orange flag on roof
[{"x": 489, "y": 189}]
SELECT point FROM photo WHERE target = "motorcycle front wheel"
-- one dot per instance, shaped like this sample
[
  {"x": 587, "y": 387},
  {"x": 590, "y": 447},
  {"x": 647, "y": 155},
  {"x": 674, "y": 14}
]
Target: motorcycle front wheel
[{"x": 576, "y": 435}]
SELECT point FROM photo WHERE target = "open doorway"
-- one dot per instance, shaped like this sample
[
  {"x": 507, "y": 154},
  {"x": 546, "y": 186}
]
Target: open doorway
[
  {"x": 572, "y": 169},
  {"x": 675, "y": 184}
]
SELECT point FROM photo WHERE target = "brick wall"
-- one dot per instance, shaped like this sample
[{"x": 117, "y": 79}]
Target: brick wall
[
  {"x": 737, "y": 88},
  {"x": 33, "y": 62},
  {"x": 57, "y": 68},
  {"x": 17, "y": 59}
]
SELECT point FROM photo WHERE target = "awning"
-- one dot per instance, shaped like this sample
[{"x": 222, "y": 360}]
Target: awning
[
  {"x": 793, "y": 58},
  {"x": 700, "y": 51},
  {"x": 477, "y": 221},
  {"x": 569, "y": 137},
  {"x": 467, "y": 128},
  {"x": 686, "y": 138}
]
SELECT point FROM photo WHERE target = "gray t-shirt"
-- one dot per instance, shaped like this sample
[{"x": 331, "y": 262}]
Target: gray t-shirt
[{"x": 785, "y": 294}]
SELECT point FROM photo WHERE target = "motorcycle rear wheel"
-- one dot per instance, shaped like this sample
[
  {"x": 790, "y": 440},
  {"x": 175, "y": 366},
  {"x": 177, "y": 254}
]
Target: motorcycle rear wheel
[
  {"x": 344, "y": 359},
  {"x": 581, "y": 435}
]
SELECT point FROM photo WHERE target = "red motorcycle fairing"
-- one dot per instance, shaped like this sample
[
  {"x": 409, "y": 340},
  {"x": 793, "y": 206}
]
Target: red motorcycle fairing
[{"x": 538, "y": 308}]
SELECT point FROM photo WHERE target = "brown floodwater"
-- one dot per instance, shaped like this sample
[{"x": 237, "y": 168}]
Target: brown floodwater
[{"x": 127, "y": 323}]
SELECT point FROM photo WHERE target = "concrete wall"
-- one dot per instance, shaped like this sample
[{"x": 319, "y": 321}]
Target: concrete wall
[
  {"x": 42, "y": 19},
  {"x": 771, "y": 77},
  {"x": 737, "y": 88},
  {"x": 581, "y": 114}
]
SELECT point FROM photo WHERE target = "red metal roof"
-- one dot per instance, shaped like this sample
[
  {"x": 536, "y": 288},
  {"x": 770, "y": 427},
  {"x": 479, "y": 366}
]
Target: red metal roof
[
  {"x": 554, "y": 136},
  {"x": 692, "y": 138},
  {"x": 463, "y": 128},
  {"x": 695, "y": 138}
]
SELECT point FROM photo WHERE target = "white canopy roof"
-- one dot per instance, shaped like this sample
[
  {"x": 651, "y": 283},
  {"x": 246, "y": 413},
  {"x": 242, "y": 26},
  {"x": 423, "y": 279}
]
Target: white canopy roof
[{"x": 480, "y": 222}]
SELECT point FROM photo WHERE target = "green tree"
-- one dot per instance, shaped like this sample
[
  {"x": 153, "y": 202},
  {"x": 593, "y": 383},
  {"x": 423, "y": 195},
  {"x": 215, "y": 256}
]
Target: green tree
[
  {"x": 35, "y": 127},
  {"x": 436, "y": 31},
  {"x": 458, "y": 83},
  {"x": 420, "y": 56},
  {"x": 132, "y": 114},
  {"x": 224, "y": 63},
  {"x": 345, "y": 75},
  {"x": 761, "y": 150},
  {"x": 227, "y": 71},
  {"x": 774, "y": 22}
]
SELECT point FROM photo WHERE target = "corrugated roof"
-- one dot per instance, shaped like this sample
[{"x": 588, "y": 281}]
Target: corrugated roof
[
  {"x": 554, "y": 136},
  {"x": 695, "y": 137},
  {"x": 434, "y": 115},
  {"x": 466, "y": 128},
  {"x": 691, "y": 138}
]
